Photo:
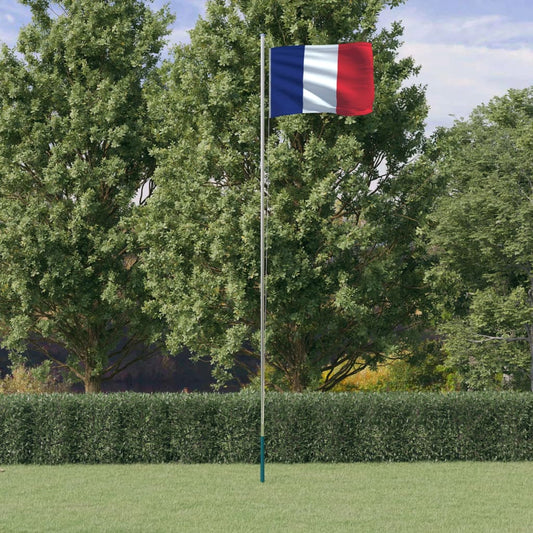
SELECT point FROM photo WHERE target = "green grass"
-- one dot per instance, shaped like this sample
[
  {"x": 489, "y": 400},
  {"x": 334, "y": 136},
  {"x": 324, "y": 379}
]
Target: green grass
[{"x": 428, "y": 497}]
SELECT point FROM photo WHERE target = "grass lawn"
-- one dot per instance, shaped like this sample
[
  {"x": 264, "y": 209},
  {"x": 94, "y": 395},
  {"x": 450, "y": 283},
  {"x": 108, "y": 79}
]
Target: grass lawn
[{"x": 428, "y": 497}]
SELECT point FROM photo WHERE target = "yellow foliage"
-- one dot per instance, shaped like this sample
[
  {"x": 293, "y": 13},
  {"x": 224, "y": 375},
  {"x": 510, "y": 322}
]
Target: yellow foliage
[
  {"x": 366, "y": 380},
  {"x": 26, "y": 380},
  {"x": 425, "y": 373}
]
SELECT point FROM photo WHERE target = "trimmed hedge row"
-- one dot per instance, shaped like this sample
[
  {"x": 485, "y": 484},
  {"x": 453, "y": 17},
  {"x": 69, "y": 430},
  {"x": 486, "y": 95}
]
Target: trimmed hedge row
[{"x": 314, "y": 427}]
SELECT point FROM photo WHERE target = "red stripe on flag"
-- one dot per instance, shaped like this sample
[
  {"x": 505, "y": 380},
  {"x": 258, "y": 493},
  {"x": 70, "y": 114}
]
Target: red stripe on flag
[{"x": 355, "y": 79}]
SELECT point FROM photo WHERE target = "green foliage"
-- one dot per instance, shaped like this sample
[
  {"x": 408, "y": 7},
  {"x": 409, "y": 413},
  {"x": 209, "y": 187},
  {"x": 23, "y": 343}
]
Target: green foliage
[
  {"x": 342, "y": 269},
  {"x": 35, "y": 380},
  {"x": 311, "y": 427},
  {"x": 480, "y": 234},
  {"x": 74, "y": 141},
  {"x": 423, "y": 369}
]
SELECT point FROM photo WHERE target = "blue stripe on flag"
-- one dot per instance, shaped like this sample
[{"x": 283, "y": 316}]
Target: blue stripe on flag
[{"x": 286, "y": 80}]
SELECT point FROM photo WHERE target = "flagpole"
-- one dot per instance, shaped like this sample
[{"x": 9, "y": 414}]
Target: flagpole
[{"x": 262, "y": 259}]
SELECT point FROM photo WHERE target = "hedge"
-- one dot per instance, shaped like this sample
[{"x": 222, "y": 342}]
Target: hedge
[{"x": 224, "y": 428}]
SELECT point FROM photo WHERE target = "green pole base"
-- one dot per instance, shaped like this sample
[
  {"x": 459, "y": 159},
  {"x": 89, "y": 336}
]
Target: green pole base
[{"x": 262, "y": 474}]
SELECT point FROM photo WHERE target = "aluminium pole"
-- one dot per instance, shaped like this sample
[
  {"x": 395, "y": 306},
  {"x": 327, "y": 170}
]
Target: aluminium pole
[{"x": 262, "y": 259}]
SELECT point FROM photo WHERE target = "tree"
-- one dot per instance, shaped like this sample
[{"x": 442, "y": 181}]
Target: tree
[
  {"x": 74, "y": 149},
  {"x": 481, "y": 235},
  {"x": 342, "y": 273}
]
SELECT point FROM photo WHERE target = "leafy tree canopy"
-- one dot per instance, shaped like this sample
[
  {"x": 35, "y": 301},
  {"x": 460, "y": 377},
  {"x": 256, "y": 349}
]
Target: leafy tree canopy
[
  {"x": 343, "y": 278},
  {"x": 74, "y": 140},
  {"x": 481, "y": 234}
]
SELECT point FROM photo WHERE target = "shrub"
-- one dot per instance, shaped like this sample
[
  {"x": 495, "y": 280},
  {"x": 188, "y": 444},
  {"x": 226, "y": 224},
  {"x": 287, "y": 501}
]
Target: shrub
[
  {"x": 37, "y": 380},
  {"x": 312, "y": 427}
]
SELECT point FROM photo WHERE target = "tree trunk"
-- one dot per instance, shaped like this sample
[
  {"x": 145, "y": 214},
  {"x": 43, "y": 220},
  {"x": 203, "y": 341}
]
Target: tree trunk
[
  {"x": 297, "y": 378},
  {"x": 296, "y": 384},
  {"x": 92, "y": 385}
]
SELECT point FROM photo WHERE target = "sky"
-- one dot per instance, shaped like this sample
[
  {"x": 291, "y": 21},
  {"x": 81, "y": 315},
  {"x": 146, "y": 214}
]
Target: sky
[{"x": 469, "y": 50}]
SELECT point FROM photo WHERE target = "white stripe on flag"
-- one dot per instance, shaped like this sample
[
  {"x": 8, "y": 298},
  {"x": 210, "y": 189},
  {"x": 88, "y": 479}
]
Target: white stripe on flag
[{"x": 320, "y": 79}]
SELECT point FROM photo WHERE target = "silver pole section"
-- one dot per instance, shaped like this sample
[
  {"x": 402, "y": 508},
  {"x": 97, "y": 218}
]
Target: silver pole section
[{"x": 262, "y": 258}]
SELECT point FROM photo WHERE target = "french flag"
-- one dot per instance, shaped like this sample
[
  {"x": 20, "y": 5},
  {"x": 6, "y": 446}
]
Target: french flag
[{"x": 336, "y": 78}]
